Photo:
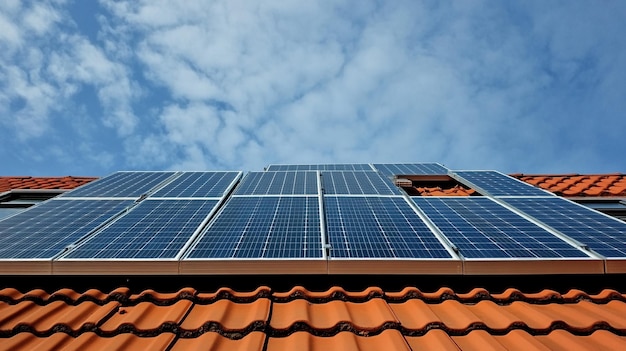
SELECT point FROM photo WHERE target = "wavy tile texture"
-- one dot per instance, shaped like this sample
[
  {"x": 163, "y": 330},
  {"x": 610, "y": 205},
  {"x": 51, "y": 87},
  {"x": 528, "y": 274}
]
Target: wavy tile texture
[
  {"x": 69, "y": 182},
  {"x": 578, "y": 185},
  {"x": 336, "y": 319}
]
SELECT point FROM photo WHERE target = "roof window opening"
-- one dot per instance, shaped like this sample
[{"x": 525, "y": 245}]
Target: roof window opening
[
  {"x": 15, "y": 201},
  {"x": 432, "y": 185}
]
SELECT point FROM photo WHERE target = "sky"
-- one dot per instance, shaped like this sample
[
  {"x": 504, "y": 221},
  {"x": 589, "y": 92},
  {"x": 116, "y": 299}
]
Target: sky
[{"x": 92, "y": 87}]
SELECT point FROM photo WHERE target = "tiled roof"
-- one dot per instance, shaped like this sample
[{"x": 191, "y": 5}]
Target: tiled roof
[
  {"x": 69, "y": 182},
  {"x": 566, "y": 185},
  {"x": 578, "y": 185},
  {"x": 438, "y": 191},
  {"x": 299, "y": 319}
]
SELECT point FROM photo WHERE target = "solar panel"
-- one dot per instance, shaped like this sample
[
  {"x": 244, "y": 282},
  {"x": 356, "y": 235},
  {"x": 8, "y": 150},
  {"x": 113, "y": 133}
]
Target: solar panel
[
  {"x": 366, "y": 183},
  {"x": 153, "y": 229},
  {"x": 378, "y": 227},
  {"x": 603, "y": 234},
  {"x": 391, "y": 169},
  {"x": 263, "y": 227},
  {"x": 322, "y": 167},
  {"x": 497, "y": 184},
  {"x": 198, "y": 184},
  {"x": 482, "y": 228},
  {"x": 279, "y": 183},
  {"x": 43, "y": 231},
  {"x": 121, "y": 184}
]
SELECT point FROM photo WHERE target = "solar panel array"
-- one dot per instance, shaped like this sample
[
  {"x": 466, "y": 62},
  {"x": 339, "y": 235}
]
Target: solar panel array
[
  {"x": 154, "y": 229},
  {"x": 45, "y": 230},
  {"x": 279, "y": 183},
  {"x": 498, "y": 184},
  {"x": 378, "y": 227},
  {"x": 263, "y": 227},
  {"x": 482, "y": 228},
  {"x": 323, "y": 167},
  {"x": 603, "y": 234},
  {"x": 121, "y": 184},
  {"x": 275, "y": 215},
  {"x": 391, "y": 169},
  {"x": 365, "y": 183},
  {"x": 198, "y": 184}
]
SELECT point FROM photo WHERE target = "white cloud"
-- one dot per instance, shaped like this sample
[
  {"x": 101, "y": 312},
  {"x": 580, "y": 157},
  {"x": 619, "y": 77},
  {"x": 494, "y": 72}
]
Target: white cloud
[
  {"x": 46, "y": 77},
  {"x": 233, "y": 84}
]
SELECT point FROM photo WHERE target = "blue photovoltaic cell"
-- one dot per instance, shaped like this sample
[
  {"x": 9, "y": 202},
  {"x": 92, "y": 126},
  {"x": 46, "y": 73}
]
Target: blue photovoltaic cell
[
  {"x": 278, "y": 183},
  {"x": 498, "y": 184},
  {"x": 198, "y": 184},
  {"x": 326, "y": 167},
  {"x": 603, "y": 234},
  {"x": 481, "y": 228},
  {"x": 391, "y": 169},
  {"x": 153, "y": 229},
  {"x": 120, "y": 184},
  {"x": 377, "y": 227},
  {"x": 45, "y": 230},
  {"x": 263, "y": 227},
  {"x": 366, "y": 183}
]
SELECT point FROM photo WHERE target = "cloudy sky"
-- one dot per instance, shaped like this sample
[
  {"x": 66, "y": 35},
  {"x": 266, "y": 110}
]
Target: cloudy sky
[{"x": 91, "y": 87}]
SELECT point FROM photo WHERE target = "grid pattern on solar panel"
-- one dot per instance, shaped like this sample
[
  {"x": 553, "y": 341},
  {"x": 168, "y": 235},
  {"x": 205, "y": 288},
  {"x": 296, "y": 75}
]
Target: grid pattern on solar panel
[
  {"x": 378, "y": 227},
  {"x": 324, "y": 167},
  {"x": 43, "y": 231},
  {"x": 153, "y": 229},
  {"x": 278, "y": 183},
  {"x": 263, "y": 227},
  {"x": 603, "y": 234},
  {"x": 366, "y": 183},
  {"x": 498, "y": 184},
  {"x": 121, "y": 184},
  {"x": 482, "y": 228},
  {"x": 198, "y": 184},
  {"x": 391, "y": 169}
]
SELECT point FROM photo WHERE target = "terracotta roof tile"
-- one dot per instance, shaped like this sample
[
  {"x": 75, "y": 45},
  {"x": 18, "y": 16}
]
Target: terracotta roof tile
[
  {"x": 27, "y": 341},
  {"x": 579, "y": 185},
  {"x": 212, "y": 341},
  {"x": 433, "y": 340},
  {"x": 127, "y": 341},
  {"x": 334, "y": 293},
  {"x": 369, "y": 315},
  {"x": 28, "y": 315},
  {"x": 300, "y": 319},
  {"x": 228, "y": 315},
  {"x": 347, "y": 341},
  {"x": 147, "y": 316},
  {"x": 69, "y": 182},
  {"x": 228, "y": 293}
]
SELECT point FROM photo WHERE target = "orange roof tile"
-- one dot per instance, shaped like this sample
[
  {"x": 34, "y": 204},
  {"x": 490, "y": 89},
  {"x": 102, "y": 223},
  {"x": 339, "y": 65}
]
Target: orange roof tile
[
  {"x": 371, "y": 319},
  {"x": 576, "y": 185},
  {"x": 66, "y": 183}
]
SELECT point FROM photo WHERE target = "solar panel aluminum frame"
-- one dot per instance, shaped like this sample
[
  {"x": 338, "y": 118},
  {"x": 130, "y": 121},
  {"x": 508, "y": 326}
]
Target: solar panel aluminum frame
[
  {"x": 317, "y": 167},
  {"x": 221, "y": 266},
  {"x": 611, "y": 264},
  {"x": 373, "y": 165},
  {"x": 398, "y": 265},
  {"x": 44, "y": 266},
  {"x": 131, "y": 266},
  {"x": 230, "y": 187},
  {"x": 482, "y": 191},
  {"x": 173, "y": 175},
  {"x": 525, "y": 265}
]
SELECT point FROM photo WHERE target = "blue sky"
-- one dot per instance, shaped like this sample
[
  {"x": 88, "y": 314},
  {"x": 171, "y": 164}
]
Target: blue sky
[{"x": 92, "y": 87}]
